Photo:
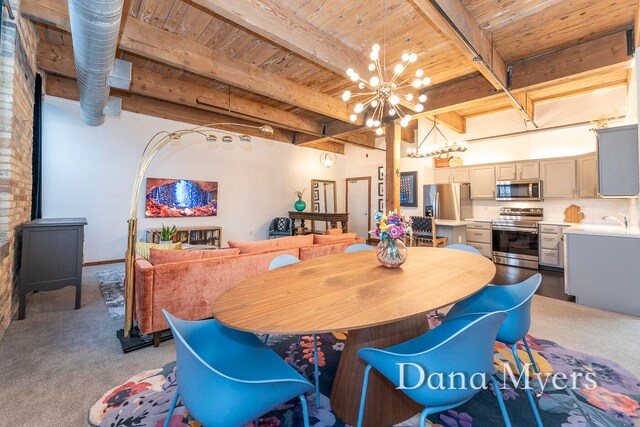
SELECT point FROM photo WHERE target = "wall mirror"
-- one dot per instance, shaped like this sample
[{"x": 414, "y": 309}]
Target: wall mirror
[{"x": 324, "y": 196}]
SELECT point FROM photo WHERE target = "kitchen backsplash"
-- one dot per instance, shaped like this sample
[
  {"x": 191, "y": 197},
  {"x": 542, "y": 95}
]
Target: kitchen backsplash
[{"x": 593, "y": 209}]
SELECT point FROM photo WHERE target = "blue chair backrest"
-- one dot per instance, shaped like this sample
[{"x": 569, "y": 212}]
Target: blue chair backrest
[
  {"x": 359, "y": 247},
  {"x": 465, "y": 345},
  {"x": 462, "y": 247},
  {"x": 280, "y": 224},
  {"x": 282, "y": 260},
  {"x": 518, "y": 298}
]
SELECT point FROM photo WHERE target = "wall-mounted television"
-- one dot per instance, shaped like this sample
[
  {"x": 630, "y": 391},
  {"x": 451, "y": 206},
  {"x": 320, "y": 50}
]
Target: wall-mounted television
[{"x": 180, "y": 197}]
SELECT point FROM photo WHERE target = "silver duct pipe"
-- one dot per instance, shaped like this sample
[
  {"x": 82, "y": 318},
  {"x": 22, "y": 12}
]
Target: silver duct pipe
[{"x": 95, "y": 25}]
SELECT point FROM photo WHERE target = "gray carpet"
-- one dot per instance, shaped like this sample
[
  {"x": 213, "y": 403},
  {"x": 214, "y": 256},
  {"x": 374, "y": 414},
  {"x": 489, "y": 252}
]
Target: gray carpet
[{"x": 57, "y": 362}]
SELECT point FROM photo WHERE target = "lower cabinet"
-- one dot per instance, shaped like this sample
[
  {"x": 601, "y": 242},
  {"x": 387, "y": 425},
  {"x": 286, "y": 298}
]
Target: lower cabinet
[
  {"x": 551, "y": 251},
  {"x": 479, "y": 237}
]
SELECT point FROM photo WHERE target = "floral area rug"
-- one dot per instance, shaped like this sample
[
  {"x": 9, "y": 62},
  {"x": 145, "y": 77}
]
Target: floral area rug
[
  {"x": 111, "y": 283},
  {"x": 143, "y": 401}
]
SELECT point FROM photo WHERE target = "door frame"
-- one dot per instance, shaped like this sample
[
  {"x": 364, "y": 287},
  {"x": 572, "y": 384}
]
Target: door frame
[{"x": 346, "y": 199}]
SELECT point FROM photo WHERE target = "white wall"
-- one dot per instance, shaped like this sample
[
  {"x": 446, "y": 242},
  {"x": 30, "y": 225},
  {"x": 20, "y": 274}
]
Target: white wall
[{"x": 89, "y": 172}]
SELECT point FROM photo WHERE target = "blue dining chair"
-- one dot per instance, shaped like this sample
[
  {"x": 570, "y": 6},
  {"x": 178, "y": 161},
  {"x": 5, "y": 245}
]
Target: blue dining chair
[
  {"x": 282, "y": 261},
  {"x": 227, "y": 378},
  {"x": 462, "y": 247},
  {"x": 464, "y": 346},
  {"x": 358, "y": 247},
  {"x": 515, "y": 300}
]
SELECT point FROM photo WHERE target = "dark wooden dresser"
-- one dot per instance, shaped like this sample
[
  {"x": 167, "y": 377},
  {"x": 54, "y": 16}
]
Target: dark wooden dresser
[{"x": 51, "y": 257}]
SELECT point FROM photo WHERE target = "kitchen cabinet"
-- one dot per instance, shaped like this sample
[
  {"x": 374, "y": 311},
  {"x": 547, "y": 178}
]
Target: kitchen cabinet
[
  {"x": 618, "y": 161},
  {"x": 602, "y": 270},
  {"x": 483, "y": 182},
  {"x": 587, "y": 176},
  {"x": 451, "y": 175},
  {"x": 551, "y": 252},
  {"x": 528, "y": 170},
  {"x": 479, "y": 237},
  {"x": 559, "y": 178},
  {"x": 506, "y": 172}
]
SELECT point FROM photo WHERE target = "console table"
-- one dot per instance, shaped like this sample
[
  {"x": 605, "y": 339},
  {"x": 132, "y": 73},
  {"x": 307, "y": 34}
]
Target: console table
[
  {"x": 332, "y": 218},
  {"x": 51, "y": 257},
  {"x": 197, "y": 236}
]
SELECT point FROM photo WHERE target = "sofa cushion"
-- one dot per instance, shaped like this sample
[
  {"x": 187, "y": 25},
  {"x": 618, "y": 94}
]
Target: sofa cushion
[
  {"x": 291, "y": 242},
  {"x": 333, "y": 231},
  {"x": 158, "y": 256},
  {"x": 315, "y": 251},
  {"x": 319, "y": 239},
  {"x": 143, "y": 248}
]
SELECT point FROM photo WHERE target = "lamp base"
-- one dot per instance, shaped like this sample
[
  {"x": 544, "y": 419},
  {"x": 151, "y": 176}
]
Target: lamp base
[{"x": 137, "y": 340}]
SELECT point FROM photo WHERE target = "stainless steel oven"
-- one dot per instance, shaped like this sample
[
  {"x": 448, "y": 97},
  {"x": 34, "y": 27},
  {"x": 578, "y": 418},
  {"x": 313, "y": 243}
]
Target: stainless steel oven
[
  {"x": 515, "y": 239},
  {"x": 519, "y": 190}
]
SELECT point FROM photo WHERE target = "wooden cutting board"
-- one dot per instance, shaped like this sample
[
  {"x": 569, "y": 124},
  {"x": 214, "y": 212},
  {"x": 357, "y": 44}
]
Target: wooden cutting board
[{"x": 573, "y": 214}]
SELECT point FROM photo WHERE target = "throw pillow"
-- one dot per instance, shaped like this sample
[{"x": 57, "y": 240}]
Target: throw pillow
[
  {"x": 282, "y": 224},
  {"x": 333, "y": 231},
  {"x": 319, "y": 239},
  {"x": 158, "y": 256},
  {"x": 142, "y": 248},
  {"x": 272, "y": 245}
]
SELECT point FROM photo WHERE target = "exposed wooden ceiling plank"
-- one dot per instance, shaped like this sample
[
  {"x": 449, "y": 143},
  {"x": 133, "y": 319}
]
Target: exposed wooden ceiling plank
[
  {"x": 281, "y": 26},
  {"x": 460, "y": 18},
  {"x": 63, "y": 87},
  {"x": 59, "y": 60},
  {"x": 525, "y": 100},
  {"x": 154, "y": 43},
  {"x": 590, "y": 58}
]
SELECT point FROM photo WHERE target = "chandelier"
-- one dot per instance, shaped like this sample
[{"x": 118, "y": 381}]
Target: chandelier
[
  {"x": 387, "y": 97},
  {"x": 438, "y": 150}
]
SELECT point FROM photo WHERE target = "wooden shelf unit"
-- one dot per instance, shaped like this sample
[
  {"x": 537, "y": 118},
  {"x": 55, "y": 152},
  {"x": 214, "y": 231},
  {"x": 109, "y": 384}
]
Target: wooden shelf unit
[{"x": 210, "y": 236}]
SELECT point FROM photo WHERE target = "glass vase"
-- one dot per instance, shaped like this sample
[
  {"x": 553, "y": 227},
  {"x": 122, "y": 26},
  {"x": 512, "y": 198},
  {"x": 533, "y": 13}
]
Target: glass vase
[{"x": 391, "y": 253}]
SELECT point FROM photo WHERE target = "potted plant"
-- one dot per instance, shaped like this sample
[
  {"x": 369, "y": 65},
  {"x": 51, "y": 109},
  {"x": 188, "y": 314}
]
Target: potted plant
[{"x": 167, "y": 234}]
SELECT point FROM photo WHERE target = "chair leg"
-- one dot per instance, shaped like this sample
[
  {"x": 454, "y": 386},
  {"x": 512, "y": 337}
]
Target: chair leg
[
  {"x": 315, "y": 368},
  {"x": 266, "y": 338},
  {"x": 503, "y": 409},
  {"x": 514, "y": 350},
  {"x": 423, "y": 417},
  {"x": 156, "y": 339},
  {"x": 174, "y": 402},
  {"x": 533, "y": 361},
  {"x": 305, "y": 410},
  {"x": 363, "y": 396}
]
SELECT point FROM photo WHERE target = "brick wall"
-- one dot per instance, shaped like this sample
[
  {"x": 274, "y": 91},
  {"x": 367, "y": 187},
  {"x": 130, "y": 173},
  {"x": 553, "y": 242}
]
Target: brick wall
[{"x": 17, "y": 72}]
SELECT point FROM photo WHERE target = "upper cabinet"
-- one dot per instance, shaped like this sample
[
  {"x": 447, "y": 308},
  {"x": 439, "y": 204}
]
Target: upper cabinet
[
  {"x": 587, "y": 176},
  {"x": 529, "y": 170},
  {"x": 559, "y": 178},
  {"x": 517, "y": 171},
  {"x": 451, "y": 175},
  {"x": 618, "y": 162},
  {"x": 483, "y": 182},
  {"x": 506, "y": 172}
]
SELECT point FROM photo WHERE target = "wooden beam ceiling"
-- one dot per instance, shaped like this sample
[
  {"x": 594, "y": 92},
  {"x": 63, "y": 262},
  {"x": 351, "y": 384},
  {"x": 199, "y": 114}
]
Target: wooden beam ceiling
[
  {"x": 67, "y": 88},
  {"x": 144, "y": 39},
  {"x": 572, "y": 64},
  {"x": 59, "y": 60}
]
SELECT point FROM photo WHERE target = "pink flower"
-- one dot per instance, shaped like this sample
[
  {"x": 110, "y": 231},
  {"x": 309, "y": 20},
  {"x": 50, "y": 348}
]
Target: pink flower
[{"x": 394, "y": 232}]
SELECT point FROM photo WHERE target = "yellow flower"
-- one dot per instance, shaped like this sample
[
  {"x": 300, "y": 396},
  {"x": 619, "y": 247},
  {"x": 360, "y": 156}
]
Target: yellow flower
[
  {"x": 383, "y": 219},
  {"x": 383, "y": 226}
]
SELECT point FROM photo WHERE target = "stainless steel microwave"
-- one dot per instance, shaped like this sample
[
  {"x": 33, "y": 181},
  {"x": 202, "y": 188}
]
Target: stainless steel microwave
[{"x": 519, "y": 190}]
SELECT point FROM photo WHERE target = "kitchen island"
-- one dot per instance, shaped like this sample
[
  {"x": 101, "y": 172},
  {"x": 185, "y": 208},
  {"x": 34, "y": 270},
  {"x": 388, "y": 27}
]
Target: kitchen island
[{"x": 602, "y": 267}]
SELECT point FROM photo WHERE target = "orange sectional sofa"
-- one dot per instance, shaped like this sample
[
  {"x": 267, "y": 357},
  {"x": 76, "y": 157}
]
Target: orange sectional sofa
[{"x": 187, "y": 288}]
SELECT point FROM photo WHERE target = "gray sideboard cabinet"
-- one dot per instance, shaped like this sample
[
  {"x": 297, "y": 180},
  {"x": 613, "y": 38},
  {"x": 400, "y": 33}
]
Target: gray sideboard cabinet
[{"x": 51, "y": 257}]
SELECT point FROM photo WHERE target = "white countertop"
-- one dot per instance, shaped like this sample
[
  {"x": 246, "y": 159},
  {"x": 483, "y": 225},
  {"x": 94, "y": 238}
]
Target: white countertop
[
  {"x": 452, "y": 222},
  {"x": 470, "y": 220},
  {"x": 604, "y": 230},
  {"x": 559, "y": 222}
]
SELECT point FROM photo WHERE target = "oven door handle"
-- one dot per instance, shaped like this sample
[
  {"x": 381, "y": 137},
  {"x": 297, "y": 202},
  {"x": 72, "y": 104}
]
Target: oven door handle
[{"x": 527, "y": 230}]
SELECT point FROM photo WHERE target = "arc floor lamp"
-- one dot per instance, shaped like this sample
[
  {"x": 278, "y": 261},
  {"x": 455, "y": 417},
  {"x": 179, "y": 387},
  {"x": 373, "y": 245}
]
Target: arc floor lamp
[{"x": 151, "y": 150}]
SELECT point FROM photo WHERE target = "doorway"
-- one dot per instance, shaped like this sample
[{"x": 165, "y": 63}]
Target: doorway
[{"x": 358, "y": 205}]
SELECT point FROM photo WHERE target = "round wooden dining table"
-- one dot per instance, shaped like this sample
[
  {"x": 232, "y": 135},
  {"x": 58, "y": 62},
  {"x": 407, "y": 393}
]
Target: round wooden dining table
[{"x": 378, "y": 306}]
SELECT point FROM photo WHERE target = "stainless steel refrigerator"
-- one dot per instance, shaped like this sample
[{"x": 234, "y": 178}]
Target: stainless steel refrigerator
[{"x": 447, "y": 201}]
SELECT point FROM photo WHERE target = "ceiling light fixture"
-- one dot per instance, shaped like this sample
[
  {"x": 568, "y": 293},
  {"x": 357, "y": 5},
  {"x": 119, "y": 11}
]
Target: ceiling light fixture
[
  {"x": 441, "y": 149},
  {"x": 328, "y": 159},
  {"x": 387, "y": 96}
]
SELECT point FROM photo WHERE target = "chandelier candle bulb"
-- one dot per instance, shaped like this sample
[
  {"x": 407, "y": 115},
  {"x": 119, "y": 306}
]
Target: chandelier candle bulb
[
  {"x": 409, "y": 97},
  {"x": 405, "y": 56},
  {"x": 422, "y": 98},
  {"x": 372, "y": 67},
  {"x": 346, "y": 95},
  {"x": 399, "y": 68}
]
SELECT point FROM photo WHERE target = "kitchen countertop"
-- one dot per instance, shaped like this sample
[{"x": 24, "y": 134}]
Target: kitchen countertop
[
  {"x": 451, "y": 222},
  {"x": 604, "y": 230},
  {"x": 470, "y": 220},
  {"x": 559, "y": 222}
]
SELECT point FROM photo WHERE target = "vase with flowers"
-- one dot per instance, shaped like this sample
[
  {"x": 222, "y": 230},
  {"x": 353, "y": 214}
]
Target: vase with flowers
[
  {"x": 391, "y": 229},
  {"x": 299, "y": 205}
]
